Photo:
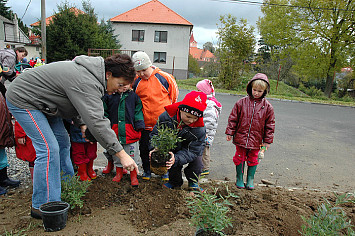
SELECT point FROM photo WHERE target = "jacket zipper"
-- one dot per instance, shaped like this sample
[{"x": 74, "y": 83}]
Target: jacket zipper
[{"x": 251, "y": 121}]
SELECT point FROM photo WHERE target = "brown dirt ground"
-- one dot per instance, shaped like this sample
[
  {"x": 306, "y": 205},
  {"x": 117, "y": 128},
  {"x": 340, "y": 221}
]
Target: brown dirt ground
[{"x": 119, "y": 209}]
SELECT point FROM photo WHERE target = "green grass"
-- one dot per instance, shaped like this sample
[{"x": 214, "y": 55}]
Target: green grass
[{"x": 284, "y": 91}]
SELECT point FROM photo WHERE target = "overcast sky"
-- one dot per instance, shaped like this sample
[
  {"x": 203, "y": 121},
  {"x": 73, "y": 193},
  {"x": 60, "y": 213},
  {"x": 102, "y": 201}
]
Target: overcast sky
[{"x": 203, "y": 14}]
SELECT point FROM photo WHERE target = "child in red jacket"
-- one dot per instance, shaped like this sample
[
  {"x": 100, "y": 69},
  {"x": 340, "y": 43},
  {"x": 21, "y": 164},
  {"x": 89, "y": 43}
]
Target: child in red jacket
[
  {"x": 24, "y": 148},
  {"x": 251, "y": 125}
]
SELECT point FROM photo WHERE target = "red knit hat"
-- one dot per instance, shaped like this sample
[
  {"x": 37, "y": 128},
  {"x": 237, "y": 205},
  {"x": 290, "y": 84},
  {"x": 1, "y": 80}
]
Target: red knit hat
[{"x": 194, "y": 103}]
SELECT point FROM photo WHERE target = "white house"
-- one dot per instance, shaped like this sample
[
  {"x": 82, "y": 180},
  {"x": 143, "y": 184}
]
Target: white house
[
  {"x": 12, "y": 36},
  {"x": 162, "y": 33}
]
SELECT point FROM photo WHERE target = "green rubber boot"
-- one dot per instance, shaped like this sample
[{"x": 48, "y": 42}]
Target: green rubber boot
[
  {"x": 250, "y": 177},
  {"x": 240, "y": 173}
]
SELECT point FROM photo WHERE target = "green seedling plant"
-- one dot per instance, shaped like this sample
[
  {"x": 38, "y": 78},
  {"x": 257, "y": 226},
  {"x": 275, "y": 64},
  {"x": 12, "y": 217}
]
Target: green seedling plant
[
  {"x": 209, "y": 211},
  {"x": 330, "y": 218},
  {"x": 73, "y": 190},
  {"x": 164, "y": 142}
]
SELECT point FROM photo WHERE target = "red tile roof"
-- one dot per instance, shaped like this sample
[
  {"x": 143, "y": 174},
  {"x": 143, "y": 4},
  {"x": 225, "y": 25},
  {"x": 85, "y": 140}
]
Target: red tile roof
[
  {"x": 152, "y": 12},
  {"x": 201, "y": 54},
  {"x": 49, "y": 19}
]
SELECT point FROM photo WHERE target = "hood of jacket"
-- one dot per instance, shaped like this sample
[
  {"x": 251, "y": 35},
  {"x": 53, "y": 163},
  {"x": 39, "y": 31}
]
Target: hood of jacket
[
  {"x": 98, "y": 70},
  {"x": 260, "y": 76}
]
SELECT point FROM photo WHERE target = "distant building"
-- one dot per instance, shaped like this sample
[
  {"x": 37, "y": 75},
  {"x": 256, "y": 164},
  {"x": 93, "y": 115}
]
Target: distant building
[
  {"x": 201, "y": 55},
  {"x": 160, "y": 32}
]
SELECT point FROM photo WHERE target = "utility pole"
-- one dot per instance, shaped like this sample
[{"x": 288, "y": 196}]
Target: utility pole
[{"x": 43, "y": 30}]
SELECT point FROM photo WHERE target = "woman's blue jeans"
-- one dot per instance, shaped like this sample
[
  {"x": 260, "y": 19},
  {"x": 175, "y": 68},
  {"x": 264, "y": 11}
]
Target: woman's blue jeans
[{"x": 52, "y": 144}]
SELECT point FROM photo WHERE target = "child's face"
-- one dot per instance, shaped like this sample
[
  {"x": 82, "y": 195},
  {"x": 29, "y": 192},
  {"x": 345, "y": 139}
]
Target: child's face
[
  {"x": 146, "y": 73},
  {"x": 257, "y": 91},
  {"x": 188, "y": 118},
  {"x": 124, "y": 88}
]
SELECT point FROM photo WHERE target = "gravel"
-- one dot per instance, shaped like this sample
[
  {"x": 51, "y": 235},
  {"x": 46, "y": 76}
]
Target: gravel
[{"x": 18, "y": 169}]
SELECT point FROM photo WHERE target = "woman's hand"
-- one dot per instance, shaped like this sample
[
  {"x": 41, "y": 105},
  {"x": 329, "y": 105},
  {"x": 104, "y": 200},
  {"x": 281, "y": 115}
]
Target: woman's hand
[
  {"x": 126, "y": 161},
  {"x": 21, "y": 141},
  {"x": 171, "y": 162}
]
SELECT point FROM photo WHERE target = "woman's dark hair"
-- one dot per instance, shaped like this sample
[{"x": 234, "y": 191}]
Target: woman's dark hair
[
  {"x": 120, "y": 65},
  {"x": 21, "y": 49}
]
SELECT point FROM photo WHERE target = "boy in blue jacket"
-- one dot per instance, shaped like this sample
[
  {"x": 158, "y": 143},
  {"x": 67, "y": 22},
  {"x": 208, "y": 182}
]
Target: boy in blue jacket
[{"x": 187, "y": 117}]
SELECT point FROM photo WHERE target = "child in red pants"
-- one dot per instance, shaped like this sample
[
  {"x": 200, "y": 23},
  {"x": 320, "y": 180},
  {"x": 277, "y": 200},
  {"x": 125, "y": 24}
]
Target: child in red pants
[
  {"x": 251, "y": 125},
  {"x": 83, "y": 154},
  {"x": 24, "y": 148}
]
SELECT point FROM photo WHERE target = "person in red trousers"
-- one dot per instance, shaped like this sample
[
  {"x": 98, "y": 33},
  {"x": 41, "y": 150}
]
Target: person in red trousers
[
  {"x": 83, "y": 154},
  {"x": 24, "y": 148}
]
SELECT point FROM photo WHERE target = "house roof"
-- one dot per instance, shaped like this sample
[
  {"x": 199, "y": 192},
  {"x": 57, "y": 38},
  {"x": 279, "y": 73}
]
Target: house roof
[
  {"x": 200, "y": 54},
  {"x": 151, "y": 12},
  {"x": 4, "y": 19},
  {"x": 49, "y": 19}
]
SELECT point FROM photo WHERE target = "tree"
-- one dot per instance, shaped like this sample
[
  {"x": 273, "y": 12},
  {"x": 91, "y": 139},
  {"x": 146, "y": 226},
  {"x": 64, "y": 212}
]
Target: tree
[
  {"x": 193, "y": 65},
  {"x": 5, "y": 11},
  {"x": 70, "y": 35},
  {"x": 236, "y": 44},
  {"x": 318, "y": 35},
  {"x": 9, "y": 14},
  {"x": 209, "y": 46}
]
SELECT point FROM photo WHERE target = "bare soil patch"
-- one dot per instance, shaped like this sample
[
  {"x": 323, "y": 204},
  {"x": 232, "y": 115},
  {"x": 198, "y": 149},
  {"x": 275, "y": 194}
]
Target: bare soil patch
[{"x": 150, "y": 209}]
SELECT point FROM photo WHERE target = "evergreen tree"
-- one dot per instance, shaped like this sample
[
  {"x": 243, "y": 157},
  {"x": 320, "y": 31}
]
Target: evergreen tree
[
  {"x": 69, "y": 35},
  {"x": 9, "y": 14},
  {"x": 4, "y": 10}
]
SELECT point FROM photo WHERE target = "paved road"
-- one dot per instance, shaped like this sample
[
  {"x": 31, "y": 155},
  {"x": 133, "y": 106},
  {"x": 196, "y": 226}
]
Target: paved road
[{"x": 314, "y": 146}]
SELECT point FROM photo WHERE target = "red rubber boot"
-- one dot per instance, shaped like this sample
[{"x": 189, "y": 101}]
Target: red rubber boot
[
  {"x": 92, "y": 174},
  {"x": 134, "y": 180},
  {"x": 108, "y": 168},
  {"x": 82, "y": 172},
  {"x": 119, "y": 174}
]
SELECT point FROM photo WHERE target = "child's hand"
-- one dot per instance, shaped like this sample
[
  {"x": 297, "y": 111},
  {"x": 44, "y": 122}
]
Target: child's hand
[
  {"x": 229, "y": 137},
  {"x": 171, "y": 162},
  {"x": 150, "y": 153},
  {"x": 21, "y": 141},
  {"x": 267, "y": 145}
]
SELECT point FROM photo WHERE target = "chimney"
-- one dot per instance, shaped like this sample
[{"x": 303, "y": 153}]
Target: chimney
[{"x": 16, "y": 29}]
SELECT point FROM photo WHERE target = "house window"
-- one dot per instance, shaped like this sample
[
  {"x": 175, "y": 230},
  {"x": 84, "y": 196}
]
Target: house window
[
  {"x": 161, "y": 36},
  {"x": 138, "y": 35},
  {"x": 37, "y": 49},
  {"x": 160, "y": 57}
]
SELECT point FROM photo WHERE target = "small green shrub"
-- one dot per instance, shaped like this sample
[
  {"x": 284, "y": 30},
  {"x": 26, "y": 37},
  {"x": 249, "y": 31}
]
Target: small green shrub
[
  {"x": 209, "y": 211},
  {"x": 166, "y": 140},
  {"x": 73, "y": 189},
  {"x": 330, "y": 219}
]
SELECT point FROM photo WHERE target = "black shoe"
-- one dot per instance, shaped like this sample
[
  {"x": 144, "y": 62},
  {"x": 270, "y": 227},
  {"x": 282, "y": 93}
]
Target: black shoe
[
  {"x": 11, "y": 183},
  {"x": 36, "y": 213}
]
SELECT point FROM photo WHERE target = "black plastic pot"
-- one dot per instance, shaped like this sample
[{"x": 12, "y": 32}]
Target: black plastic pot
[
  {"x": 54, "y": 215},
  {"x": 158, "y": 163},
  {"x": 202, "y": 232}
]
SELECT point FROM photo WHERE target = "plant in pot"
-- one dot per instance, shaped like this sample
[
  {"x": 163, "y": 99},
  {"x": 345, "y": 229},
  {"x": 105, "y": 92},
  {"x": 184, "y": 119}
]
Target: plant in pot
[
  {"x": 209, "y": 212},
  {"x": 164, "y": 142}
]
